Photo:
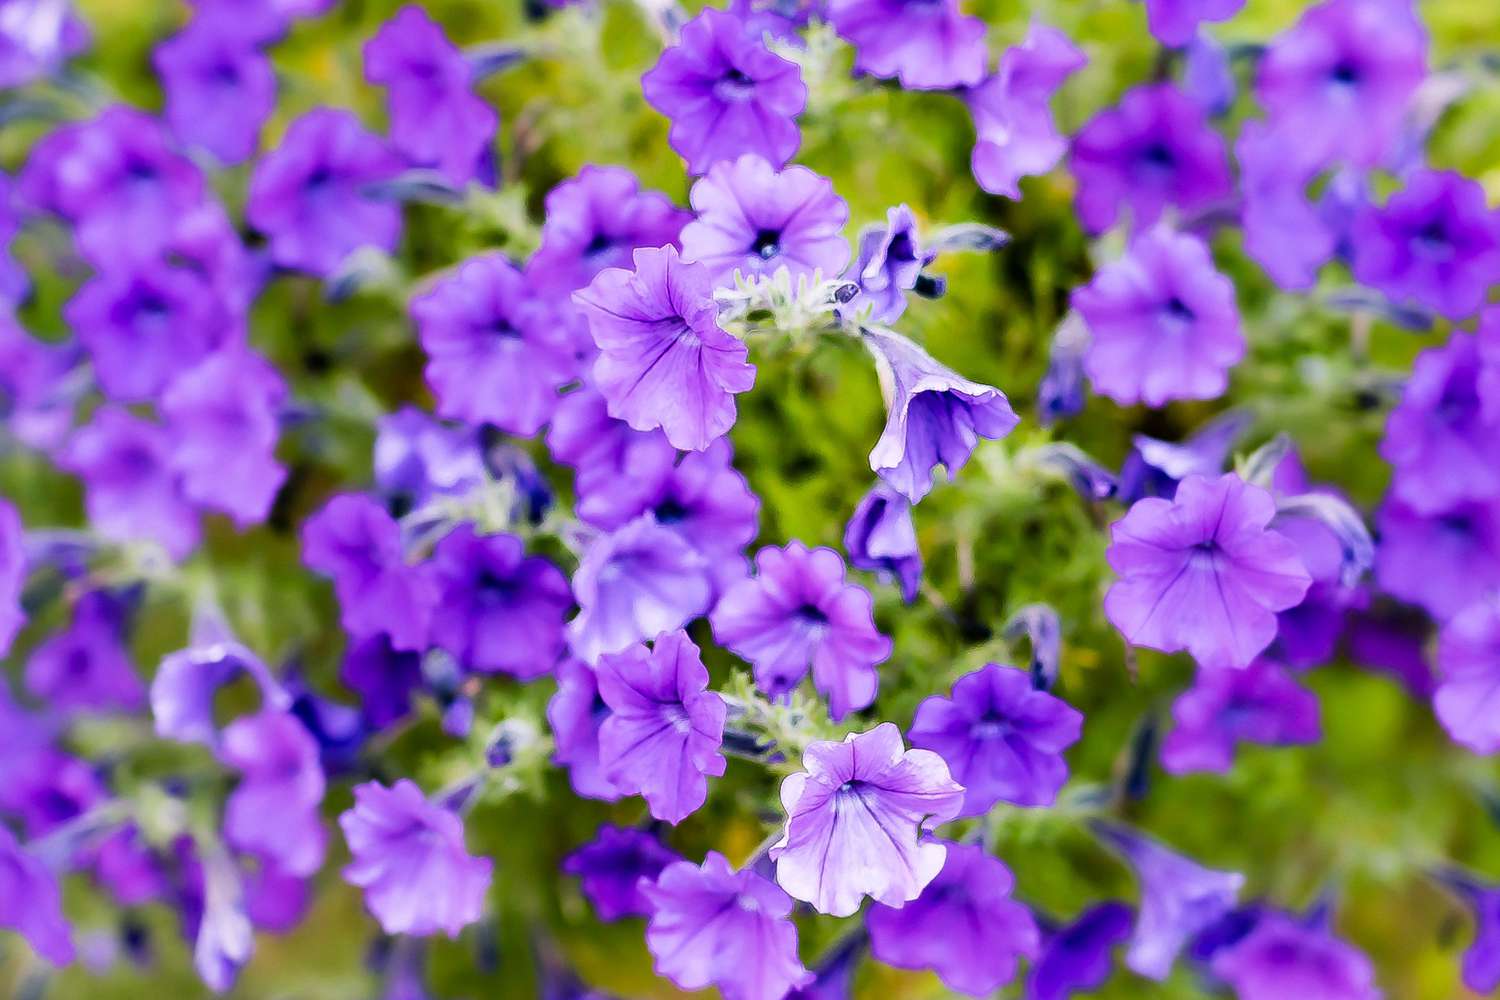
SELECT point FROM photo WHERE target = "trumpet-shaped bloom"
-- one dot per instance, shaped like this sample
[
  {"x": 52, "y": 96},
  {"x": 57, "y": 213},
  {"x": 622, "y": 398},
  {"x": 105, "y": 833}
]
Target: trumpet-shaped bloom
[
  {"x": 880, "y": 537},
  {"x": 620, "y": 471},
  {"x": 87, "y": 665},
  {"x": 220, "y": 88},
  {"x": 273, "y": 814},
  {"x": 1079, "y": 956},
  {"x": 891, "y": 259}
]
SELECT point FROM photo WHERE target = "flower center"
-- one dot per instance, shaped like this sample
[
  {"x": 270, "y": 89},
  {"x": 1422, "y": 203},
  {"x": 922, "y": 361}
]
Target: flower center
[
  {"x": 734, "y": 85},
  {"x": 670, "y": 511},
  {"x": 1176, "y": 316},
  {"x": 767, "y": 243}
]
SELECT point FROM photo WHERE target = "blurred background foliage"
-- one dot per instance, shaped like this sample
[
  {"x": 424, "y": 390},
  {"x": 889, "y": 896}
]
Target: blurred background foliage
[{"x": 1356, "y": 816}]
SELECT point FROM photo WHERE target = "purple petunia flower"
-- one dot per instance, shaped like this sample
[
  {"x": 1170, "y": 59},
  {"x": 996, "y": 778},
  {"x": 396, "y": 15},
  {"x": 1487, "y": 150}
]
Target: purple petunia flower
[
  {"x": 756, "y": 220},
  {"x": 498, "y": 609},
  {"x": 261, "y": 20},
  {"x": 1260, "y": 704},
  {"x": 661, "y": 739},
  {"x": 890, "y": 262},
  {"x": 881, "y": 538},
  {"x": 664, "y": 362},
  {"x": 1003, "y": 739},
  {"x": 1163, "y": 322},
  {"x": 1282, "y": 958},
  {"x": 1179, "y": 898},
  {"x": 1481, "y": 963},
  {"x": 436, "y": 120},
  {"x": 220, "y": 88},
  {"x": 1342, "y": 77},
  {"x": 384, "y": 678},
  {"x": 1435, "y": 242},
  {"x": 799, "y": 614},
  {"x": 1155, "y": 467},
  {"x": 621, "y": 472},
  {"x": 1015, "y": 134},
  {"x": 37, "y": 386},
  {"x": 855, "y": 819},
  {"x": 354, "y": 541},
  {"x": 712, "y": 925},
  {"x": 614, "y": 866},
  {"x": 495, "y": 352},
  {"x": 31, "y": 902},
  {"x": 12, "y": 575},
  {"x": 1284, "y": 232},
  {"x": 309, "y": 195},
  {"x": 1078, "y": 957},
  {"x": 187, "y": 681},
  {"x": 1469, "y": 661},
  {"x": 708, "y": 502},
  {"x": 964, "y": 926},
  {"x": 87, "y": 666},
  {"x": 928, "y": 46},
  {"x": 934, "y": 416},
  {"x": 36, "y": 38},
  {"x": 1442, "y": 562},
  {"x": 131, "y": 492},
  {"x": 726, "y": 94},
  {"x": 409, "y": 857},
  {"x": 1153, "y": 150},
  {"x": 273, "y": 814},
  {"x": 575, "y": 714},
  {"x": 1203, "y": 572},
  {"x": 597, "y": 220},
  {"x": 418, "y": 458},
  {"x": 1175, "y": 22}
]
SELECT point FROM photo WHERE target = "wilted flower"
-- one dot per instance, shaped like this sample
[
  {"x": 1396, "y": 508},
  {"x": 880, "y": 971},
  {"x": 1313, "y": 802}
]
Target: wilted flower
[
  {"x": 881, "y": 538},
  {"x": 614, "y": 867},
  {"x": 929, "y": 46},
  {"x": 1260, "y": 704}
]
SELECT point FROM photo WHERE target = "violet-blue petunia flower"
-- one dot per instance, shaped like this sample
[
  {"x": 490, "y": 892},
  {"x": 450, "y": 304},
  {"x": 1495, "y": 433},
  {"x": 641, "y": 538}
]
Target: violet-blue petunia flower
[
  {"x": 1003, "y": 739},
  {"x": 1208, "y": 74},
  {"x": 964, "y": 926},
  {"x": 409, "y": 857},
  {"x": 31, "y": 902},
  {"x": 575, "y": 714},
  {"x": 612, "y": 867},
  {"x": 855, "y": 819},
  {"x": 1175, "y": 23},
  {"x": 890, "y": 262},
  {"x": 1203, "y": 572},
  {"x": 273, "y": 814},
  {"x": 726, "y": 94},
  {"x": 1015, "y": 134},
  {"x": 1260, "y": 704},
  {"x": 1468, "y": 689},
  {"x": 664, "y": 361},
  {"x": 1163, "y": 321},
  {"x": 712, "y": 925},
  {"x": 1441, "y": 562},
  {"x": 1282, "y": 957},
  {"x": 1079, "y": 957},
  {"x": 620, "y": 471},
  {"x": 1153, "y": 150},
  {"x": 220, "y": 88},
  {"x": 882, "y": 539},
  {"x": 498, "y": 609},
  {"x": 87, "y": 666},
  {"x": 934, "y": 416},
  {"x": 798, "y": 614},
  {"x": 927, "y": 46},
  {"x": 1154, "y": 467},
  {"x": 309, "y": 195},
  {"x": 418, "y": 458},
  {"x": 385, "y": 679},
  {"x": 754, "y": 219},
  {"x": 662, "y": 736},
  {"x": 709, "y": 503}
]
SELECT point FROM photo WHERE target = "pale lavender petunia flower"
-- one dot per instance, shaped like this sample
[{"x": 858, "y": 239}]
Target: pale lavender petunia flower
[
  {"x": 928, "y": 45},
  {"x": 31, "y": 902},
  {"x": 855, "y": 819},
  {"x": 409, "y": 857},
  {"x": 664, "y": 362},
  {"x": 934, "y": 415},
  {"x": 1468, "y": 690},
  {"x": 661, "y": 739},
  {"x": 613, "y": 867},
  {"x": 1203, "y": 572},
  {"x": 964, "y": 926},
  {"x": 1175, "y": 22},
  {"x": 87, "y": 666},
  {"x": 881, "y": 538},
  {"x": 1442, "y": 562},
  {"x": 273, "y": 814},
  {"x": 575, "y": 714},
  {"x": 726, "y": 94},
  {"x": 1003, "y": 739},
  {"x": 1282, "y": 958},
  {"x": 1163, "y": 321},
  {"x": 1260, "y": 704},
  {"x": 798, "y": 614},
  {"x": 1079, "y": 956},
  {"x": 712, "y": 925},
  {"x": 755, "y": 220},
  {"x": 220, "y": 88}
]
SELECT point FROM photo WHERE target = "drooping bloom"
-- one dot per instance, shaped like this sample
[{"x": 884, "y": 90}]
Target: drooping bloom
[
  {"x": 1003, "y": 739},
  {"x": 1179, "y": 898},
  {"x": 634, "y": 583},
  {"x": 726, "y": 94},
  {"x": 1468, "y": 689},
  {"x": 436, "y": 120},
  {"x": 1260, "y": 704},
  {"x": 1153, "y": 150},
  {"x": 1341, "y": 78},
  {"x": 354, "y": 541},
  {"x": 661, "y": 739},
  {"x": 880, "y": 537},
  {"x": 855, "y": 819},
  {"x": 31, "y": 902},
  {"x": 273, "y": 814},
  {"x": 928, "y": 46},
  {"x": 87, "y": 667},
  {"x": 309, "y": 196},
  {"x": 1175, "y": 22},
  {"x": 1015, "y": 134},
  {"x": 1435, "y": 242},
  {"x": 964, "y": 926},
  {"x": 575, "y": 714},
  {"x": 183, "y": 689},
  {"x": 495, "y": 351},
  {"x": 1284, "y": 231},
  {"x": 712, "y": 925},
  {"x": 664, "y": 362},
  {"x": 613, "y": 867},
  {"x": 798, "y": 614},
  {"x": 1164, "y": 322},
  {"x": 1079, "y": 957},
  {"x": 621, "y": 471},
  {"x": 498, "y": 609},
  {"x": 220, "y": 88},
  {"x": 409, "y": 857},
  {"x": 890, "y": 263},
  {"x": 934, "y": 416},
  {"x": 1282, "y": 958},
  {"x": 1442, "y": 562},
  {"x": 756, "y": 220},
  {"x": 1203, "y": 572}
]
